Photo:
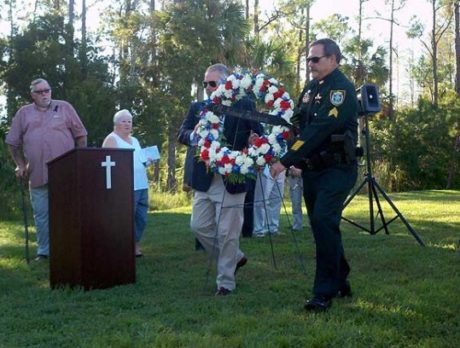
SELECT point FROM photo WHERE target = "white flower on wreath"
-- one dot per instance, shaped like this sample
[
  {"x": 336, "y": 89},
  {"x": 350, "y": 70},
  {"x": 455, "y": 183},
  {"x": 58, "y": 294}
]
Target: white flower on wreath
[{"x": 266, "y": 148}]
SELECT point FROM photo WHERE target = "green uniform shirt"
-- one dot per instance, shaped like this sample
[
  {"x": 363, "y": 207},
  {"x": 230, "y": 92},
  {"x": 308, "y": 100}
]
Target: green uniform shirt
[{"x": 325, "y": 107}]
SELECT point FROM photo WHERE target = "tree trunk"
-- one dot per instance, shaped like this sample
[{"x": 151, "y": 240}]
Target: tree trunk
[
  {"x": 256, "y": 18},
  {"x": 307, "y": 41},
  {"x": 71, "y": 11},
  {"x": 69, "y": 36},
  {"x": 390, "y": 86},
  {"x": 360, "y": 73},
  {"x": 247, "y": 9},
  {"x": 453, "y": 164},
  {"x": 171, "y": 183},
  {"x": 434, "y": 48},
  {"x": 299, "y": 59},
  {"x": 455, "y": 156},
  {"x": 84, "y": 44},
  {"x": 156, "y": 172},
  {"x": 457, "y": 47},
  {"x": 9, "y": 95}
]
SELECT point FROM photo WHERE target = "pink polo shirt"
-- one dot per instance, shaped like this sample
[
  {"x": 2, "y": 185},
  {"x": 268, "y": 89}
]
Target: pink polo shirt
[{"x": 44, "y": 135}]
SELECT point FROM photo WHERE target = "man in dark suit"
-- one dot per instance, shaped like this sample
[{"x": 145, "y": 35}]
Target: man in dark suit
[{"x": 217, "y": 211}]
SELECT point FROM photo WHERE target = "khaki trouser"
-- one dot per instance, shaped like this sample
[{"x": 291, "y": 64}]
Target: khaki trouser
[{"x": 217, "y": 218}]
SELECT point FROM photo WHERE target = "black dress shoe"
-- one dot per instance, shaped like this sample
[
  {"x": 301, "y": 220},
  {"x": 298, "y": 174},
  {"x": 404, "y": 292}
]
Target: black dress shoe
[
  {"x": 241, "y": 263},
  {"x": 345, "y": 290},
  {"x": 318, "y": 304}
]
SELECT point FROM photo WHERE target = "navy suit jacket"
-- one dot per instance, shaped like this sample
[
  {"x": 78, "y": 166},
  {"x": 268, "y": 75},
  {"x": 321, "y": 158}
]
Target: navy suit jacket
[{"x": 236, "y": 132}]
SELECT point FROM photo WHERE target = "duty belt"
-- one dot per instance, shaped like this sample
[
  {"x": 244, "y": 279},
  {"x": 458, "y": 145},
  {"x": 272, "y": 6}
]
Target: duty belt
[{"x": 324, "y": 160}]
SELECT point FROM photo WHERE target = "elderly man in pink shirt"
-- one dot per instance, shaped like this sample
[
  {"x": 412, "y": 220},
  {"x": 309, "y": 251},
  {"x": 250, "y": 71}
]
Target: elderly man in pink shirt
[{"x": 40, "y": 132}]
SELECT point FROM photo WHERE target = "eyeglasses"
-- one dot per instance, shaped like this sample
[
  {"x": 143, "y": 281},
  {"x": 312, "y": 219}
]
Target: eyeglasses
[
  {"x": 314, "y": 59},
  {"x": 43, "y": 91},
  {"x": 212, "y": 84}
]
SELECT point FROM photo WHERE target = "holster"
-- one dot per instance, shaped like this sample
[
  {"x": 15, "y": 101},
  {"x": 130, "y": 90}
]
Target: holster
[{"x": 341, "y": 151}]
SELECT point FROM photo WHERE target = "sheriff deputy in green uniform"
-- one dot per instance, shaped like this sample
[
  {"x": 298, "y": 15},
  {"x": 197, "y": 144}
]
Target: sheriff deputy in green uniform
[{"x": 326, "y": 114}]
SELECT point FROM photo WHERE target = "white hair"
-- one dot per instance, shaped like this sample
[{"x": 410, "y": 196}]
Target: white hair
[
  {"x": 36, "y": 82},
  {"x": 120, "y": 114}
]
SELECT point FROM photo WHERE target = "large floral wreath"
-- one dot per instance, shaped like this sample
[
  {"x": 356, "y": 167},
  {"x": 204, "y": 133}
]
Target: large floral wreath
[{"x": 266, "y": 149}]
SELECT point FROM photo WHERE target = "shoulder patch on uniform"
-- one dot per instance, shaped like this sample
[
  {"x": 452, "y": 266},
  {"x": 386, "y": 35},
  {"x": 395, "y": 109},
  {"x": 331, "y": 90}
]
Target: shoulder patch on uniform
[
  {"x": 334, "y": 112},
  {"x": 337, "y": 96},
  {"x": 297, "y": 145}
]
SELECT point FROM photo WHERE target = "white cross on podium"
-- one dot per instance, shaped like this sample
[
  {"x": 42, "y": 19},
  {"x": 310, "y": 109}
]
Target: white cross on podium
[{"x": 108, "y": 171}]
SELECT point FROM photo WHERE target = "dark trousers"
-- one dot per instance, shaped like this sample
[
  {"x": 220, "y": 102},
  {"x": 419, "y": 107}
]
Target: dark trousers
[
  {"x": 325, "y": 192},
  {"x": 248, "y": 222}
]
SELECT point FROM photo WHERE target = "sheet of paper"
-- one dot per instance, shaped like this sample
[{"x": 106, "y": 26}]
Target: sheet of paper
[{"x": 151, "y": 152}]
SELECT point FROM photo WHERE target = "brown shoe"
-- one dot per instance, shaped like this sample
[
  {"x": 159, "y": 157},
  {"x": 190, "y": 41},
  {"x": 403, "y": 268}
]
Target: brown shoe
[
  {"x": 241, "y": 263},
  {"x": 223, "y": 292}
]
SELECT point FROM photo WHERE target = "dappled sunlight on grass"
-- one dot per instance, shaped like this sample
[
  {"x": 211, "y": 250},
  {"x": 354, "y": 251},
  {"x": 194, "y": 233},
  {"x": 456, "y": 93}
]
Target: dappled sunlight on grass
[
  {"x": 451, "y": 246},
  {"x": 385, "y": 309}
]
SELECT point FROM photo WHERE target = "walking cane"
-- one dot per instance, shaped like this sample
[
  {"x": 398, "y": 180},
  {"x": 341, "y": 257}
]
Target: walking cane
[{"x": 22, "y": 183}]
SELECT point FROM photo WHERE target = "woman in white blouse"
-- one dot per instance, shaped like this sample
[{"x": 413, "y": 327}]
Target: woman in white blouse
[{"x": 121, "y": 138}]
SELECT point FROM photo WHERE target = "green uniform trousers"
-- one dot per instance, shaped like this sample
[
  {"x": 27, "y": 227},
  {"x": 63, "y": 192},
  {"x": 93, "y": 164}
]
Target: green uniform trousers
[{"x": 325, "y": 192}]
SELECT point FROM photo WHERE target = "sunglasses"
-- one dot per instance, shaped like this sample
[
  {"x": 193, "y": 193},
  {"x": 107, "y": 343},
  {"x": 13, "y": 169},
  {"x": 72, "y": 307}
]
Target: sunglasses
[
  {"x": 212, "y": 84},
  {"x": 43, "y": 91},
  {"x": 314, "y": 59}
]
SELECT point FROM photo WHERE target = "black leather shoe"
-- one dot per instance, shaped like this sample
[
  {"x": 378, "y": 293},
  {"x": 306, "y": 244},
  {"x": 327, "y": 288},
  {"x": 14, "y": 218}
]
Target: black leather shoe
[
  {"x": 223, "y": 292},
  {"x": 345, "y": 291},
  {"x": 241, "y": 263},
  {"x": 318, "y": 304}
]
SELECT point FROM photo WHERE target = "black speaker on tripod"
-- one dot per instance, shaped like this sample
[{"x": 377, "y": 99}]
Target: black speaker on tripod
[{"x": 368, "y": 99}]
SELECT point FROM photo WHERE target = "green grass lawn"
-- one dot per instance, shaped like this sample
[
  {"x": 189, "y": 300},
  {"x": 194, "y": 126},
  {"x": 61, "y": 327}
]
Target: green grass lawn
[{"x": 405, "y": 295}]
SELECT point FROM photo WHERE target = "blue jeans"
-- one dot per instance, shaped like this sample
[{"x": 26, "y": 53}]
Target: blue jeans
[
  {"x": 39, "y": 199},
  {"x": 141, "y": 206}
]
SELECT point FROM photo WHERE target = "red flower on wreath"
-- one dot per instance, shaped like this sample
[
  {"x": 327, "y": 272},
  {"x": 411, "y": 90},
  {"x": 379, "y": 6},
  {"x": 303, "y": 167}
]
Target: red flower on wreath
[
  {"x": 205, "y": 154},
  {"x": 285, "y": 104},
  {"x": 260, "y": 141},
  {"x": 279, "y": 94}
]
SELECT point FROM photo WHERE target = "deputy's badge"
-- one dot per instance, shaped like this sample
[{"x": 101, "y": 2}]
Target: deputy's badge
[
  {"x": 297, "y": 145},
  {"x": 337, "y": 97},
  {"x": 306, "y": 97},
  {"x": 334, "y": 112}
]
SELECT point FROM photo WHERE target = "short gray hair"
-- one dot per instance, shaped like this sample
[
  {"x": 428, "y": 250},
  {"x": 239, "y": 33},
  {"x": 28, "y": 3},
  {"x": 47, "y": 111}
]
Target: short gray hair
[
  {"x": 120, "y": 114},
  {"x": 36, "y": 82},
  {"x": 221, "y": 69}
]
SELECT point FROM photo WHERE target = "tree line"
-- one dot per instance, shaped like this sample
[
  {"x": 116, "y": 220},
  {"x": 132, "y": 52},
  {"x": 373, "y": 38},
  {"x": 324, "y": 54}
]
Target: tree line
[{"x": 150, "y": 56}]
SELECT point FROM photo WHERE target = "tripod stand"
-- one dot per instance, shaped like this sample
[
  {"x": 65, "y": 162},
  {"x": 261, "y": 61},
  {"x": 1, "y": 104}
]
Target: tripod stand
[{"x": 373, "y": 188}]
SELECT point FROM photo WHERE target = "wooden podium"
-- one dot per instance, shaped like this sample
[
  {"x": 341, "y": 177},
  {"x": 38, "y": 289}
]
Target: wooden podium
[{"x": 91, "y": 218}]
